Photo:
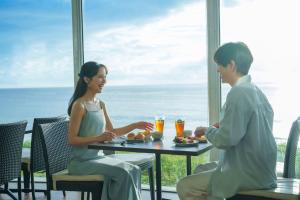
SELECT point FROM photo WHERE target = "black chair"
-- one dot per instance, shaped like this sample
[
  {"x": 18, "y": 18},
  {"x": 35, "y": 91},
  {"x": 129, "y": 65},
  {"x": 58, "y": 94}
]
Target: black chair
[
  {"x": 11, "y": 142},
  {"x": 287, "y": 186},
  {"x": 57, "y": 154},
  {"x": 35, "y": 153}
]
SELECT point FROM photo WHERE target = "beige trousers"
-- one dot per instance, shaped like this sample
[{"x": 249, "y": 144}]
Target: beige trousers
[{"x": 194, "y": 187}]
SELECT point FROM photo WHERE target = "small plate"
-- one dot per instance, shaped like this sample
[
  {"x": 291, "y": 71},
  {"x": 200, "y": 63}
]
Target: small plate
[
  {"x": 194, "y": 144},
  {"x": 135, "y": 141},
  {"x": 202, "y": 141}
]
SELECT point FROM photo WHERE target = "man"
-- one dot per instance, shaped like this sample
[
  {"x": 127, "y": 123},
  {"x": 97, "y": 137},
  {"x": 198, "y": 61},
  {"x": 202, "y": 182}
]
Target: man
[{"x": 244, "y": 135}]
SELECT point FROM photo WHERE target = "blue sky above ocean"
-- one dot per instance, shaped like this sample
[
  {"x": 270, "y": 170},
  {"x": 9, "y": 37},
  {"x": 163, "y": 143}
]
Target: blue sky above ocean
[{"x": 142, "y": 42}]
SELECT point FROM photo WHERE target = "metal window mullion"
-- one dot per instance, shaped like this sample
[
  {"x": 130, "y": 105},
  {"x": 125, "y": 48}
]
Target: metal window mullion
[
  {"x": 214, "y": 84},
  {"x": 77, "y": 29}
]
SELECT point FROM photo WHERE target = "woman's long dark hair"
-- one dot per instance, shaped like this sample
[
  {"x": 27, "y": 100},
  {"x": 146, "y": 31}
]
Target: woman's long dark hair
[{"x": 88, "y": 69}]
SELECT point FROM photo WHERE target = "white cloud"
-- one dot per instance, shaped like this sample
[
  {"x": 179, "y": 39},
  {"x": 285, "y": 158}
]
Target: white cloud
[
  {"x": 156, "y": 50},
  {"x": 169, "y": 49},
  {"x": 271, "y": 30},
  {"x": 37, "y": 65}
]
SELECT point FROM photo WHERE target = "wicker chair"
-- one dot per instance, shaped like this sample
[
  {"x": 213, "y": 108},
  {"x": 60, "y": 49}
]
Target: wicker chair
[
  {"x": 34, "y": 153},
  {"x": 57, "y": 154},
  {"x": 287, "y": 186},
  {"x": 11, "y": 141}
]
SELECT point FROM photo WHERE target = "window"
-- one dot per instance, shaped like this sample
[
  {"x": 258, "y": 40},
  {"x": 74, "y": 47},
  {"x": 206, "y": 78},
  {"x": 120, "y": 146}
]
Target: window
[
  {"x": 155, "y": 52},
  {"x": 270, "y": 30},
  {"x": 36, "y": 62}
]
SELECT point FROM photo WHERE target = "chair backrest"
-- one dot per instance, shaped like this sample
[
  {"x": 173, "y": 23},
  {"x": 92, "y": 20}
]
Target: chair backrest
[
  {"x": 291, "y": 150},
  {"x": 36, "y": 153},
  {"x": 11, "y": 142},
  {"x": 56, "y": 148}
]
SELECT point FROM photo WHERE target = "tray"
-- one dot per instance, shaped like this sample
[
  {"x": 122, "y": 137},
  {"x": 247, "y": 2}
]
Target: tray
[
  {"x": 134, "y": 141},
  {"x": 194, "y": 144}
]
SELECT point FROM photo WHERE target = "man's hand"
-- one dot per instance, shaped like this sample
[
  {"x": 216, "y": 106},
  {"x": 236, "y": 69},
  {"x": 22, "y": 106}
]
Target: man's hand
[
  {"x": 200, "y": 131},
  {"x": 217, "y": 125}
]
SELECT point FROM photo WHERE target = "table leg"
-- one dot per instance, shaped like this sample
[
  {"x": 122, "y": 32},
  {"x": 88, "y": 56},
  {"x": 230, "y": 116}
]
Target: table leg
[
  {"x": 158, "y": 176},
  {"x": 188, "y": 165}
]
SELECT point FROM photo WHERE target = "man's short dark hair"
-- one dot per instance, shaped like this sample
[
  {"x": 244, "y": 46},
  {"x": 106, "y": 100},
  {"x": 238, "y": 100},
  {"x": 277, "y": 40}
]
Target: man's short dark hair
[{"x": 237, "y": 52}]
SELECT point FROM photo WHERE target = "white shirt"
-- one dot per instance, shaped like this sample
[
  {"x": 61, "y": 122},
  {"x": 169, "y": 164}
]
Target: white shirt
[{"x": 248, "y": 159}]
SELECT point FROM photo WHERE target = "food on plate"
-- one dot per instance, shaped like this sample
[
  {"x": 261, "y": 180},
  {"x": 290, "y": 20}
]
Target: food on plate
[
  {"x": 131, "y": 136},
  {"x": 201, "y": 139},
  {"x": 156, "y": 135},
  {"x": 184, "y": 140},
  {"x": 139, "y": 136},
  {"x": 146, "y": 133}
]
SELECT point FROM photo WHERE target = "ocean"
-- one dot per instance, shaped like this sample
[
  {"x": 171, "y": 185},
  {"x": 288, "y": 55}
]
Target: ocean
[{"x": 125, "y": 104}]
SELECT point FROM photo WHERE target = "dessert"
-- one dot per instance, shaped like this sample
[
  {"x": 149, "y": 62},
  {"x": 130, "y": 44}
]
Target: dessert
[
  {"x": 139, "y": 136},
  {"x": 184, "y": 140},
  {"x": 131, "y": 136}
]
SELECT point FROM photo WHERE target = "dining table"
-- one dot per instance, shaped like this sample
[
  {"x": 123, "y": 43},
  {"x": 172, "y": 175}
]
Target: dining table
[{"x": 157, "y": 147}]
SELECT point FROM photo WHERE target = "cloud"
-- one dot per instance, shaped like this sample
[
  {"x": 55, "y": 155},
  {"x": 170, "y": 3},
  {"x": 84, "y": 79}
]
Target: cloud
[
  {"x": 36, "y": 65},
  {"x": 154, "y": 51},
  {"x": 169, "y": 49},
  {"x": 270, "y": 34}
]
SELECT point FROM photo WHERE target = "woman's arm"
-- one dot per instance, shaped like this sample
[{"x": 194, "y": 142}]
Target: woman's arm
[
  {"x": 126, "y": 129},
  {"x": 77, "y": 114}
]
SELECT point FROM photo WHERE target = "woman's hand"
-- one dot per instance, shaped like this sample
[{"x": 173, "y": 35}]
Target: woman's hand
[
  {"x": 107, "y": 136},
  {"x": 143, "y": 125},
  {"x": 200, "y": 131}
]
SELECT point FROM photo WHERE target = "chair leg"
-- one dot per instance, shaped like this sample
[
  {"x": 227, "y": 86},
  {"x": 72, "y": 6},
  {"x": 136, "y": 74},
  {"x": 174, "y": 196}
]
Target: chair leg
[
  {"x": 96, "y": 195},
  {"x": 82, "y": 195},
  {"x": 19, "y": 188},
  {"x": 151, "y": 182},
  {"x": 88, "y": 196},
  {"x": 32, "y": 186},
  {"x": 64, "y": 193},
  {"x": 48, "y": 192},
  {"x": 8, "y": 192},
  {"x": 26, "y": 177}
]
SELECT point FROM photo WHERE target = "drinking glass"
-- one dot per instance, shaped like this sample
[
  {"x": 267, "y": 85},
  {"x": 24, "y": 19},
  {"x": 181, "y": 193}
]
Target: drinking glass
[
  {"x": 179, "y": 125},
  {"x": 159, "y": 123}
]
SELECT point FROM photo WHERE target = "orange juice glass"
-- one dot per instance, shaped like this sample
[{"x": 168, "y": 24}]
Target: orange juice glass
[
  {"x": 179, "y": 125},
  {"x": 159, "y": 124}
]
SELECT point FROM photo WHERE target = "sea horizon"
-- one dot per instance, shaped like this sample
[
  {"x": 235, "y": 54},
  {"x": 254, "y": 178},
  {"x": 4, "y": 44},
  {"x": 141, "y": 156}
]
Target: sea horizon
[{"x": 125, "y": 104}]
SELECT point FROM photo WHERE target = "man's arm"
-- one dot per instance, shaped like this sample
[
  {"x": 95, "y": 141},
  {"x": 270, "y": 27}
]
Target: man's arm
[{"x": 233, "y": 126}]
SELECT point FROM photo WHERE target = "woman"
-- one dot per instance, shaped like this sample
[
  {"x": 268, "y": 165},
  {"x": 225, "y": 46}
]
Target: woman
[{"x": 89, "y": 123}]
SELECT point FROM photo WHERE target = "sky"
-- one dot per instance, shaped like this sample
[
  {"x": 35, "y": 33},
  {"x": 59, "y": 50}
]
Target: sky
[
  {"x": 135, "y": 41},
  {"x": 150, "y": 42},
  {"x": 142, "y": 42}
]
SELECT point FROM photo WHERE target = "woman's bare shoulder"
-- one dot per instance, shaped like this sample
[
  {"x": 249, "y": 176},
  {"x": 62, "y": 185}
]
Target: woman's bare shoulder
[{"x": 79, "y": 105}]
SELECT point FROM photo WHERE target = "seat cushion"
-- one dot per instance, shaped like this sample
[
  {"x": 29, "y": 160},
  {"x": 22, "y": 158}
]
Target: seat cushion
[
  {"x": 134, "y": 158},
  {"x": 65, "y": 176},
  {"x": 287, "y": 188}
]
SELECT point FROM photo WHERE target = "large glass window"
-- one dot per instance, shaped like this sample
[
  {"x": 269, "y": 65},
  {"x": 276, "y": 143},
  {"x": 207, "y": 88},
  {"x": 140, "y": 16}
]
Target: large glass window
[
  {"x": 270, "y": 29},
  {"x": 36, "y": 61},
  {"x": 155, "y": 52}
]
